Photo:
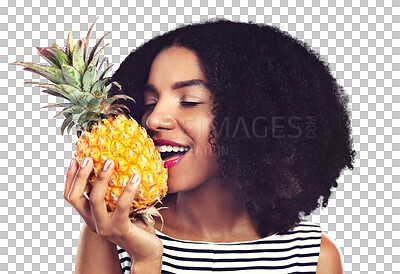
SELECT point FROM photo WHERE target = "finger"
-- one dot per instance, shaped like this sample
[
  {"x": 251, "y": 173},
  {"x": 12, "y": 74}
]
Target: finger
[
  {"x": 76, "y": 194},
  {"x": 125, "y": 200},
  {"x": 73, "y": 167},
  {"x": 97, "y": 203}
]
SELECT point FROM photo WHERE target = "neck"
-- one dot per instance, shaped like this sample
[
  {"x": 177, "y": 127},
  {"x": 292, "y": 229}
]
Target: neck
[{"x": 210, "y": 213}]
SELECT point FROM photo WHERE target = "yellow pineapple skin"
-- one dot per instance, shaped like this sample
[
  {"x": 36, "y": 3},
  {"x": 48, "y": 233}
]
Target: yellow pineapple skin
[{"x": 133, "y": 152}]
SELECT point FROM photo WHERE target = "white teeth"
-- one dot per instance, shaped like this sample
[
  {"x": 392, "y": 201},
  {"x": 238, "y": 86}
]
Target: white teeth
[{"x": 171, "y": 148}]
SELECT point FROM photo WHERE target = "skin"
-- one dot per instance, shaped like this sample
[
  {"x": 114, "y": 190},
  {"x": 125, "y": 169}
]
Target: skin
[{"x": 200, "y": 207}]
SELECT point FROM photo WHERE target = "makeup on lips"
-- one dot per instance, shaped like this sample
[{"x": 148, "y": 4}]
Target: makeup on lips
[{"x": 171, "y": 152}]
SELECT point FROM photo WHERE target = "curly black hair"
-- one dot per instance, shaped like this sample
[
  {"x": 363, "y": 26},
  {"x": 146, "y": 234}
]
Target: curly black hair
[{"x": 282, "y": 128}]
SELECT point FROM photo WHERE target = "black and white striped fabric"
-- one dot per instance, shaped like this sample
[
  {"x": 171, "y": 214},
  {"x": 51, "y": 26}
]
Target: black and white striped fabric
[{"x": 295, "y": 251}]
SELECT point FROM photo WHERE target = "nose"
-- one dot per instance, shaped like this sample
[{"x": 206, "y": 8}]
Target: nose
[{"x": 159, "y": 120}]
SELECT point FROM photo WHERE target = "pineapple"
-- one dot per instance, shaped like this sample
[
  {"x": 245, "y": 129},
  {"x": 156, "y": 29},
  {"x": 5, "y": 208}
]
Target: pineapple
[{"x": 106, "y": 132}]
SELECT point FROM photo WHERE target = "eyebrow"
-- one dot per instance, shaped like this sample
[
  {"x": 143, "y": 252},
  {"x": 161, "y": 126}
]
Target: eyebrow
[{"x": 178, "y": 85}]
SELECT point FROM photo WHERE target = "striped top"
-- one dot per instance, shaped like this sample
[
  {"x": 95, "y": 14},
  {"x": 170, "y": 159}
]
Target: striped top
[{"x": 296, "y": 251}]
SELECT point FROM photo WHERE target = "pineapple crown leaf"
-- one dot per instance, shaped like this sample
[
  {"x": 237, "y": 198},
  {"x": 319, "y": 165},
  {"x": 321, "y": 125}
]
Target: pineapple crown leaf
[
  {"x": 119, "y": 108},
  {"x": 85, "y": 98},
  {"x": 48, "y": 56},
  {"x": 74, "y": 109},
  {"x": 104, "y": 73},
  {"x": 95, "y": 102},
  {"x": 86, "y": 45},
  {"x": 64, "y": 105},
  {"x": 78, "y": 76},
  {"x": 98, "y": 86},
  {"x": 118, "y": 85},
  {"x": 72, "y": 76},
  {"x": 66, "y": 122},
  {"x": 70, "y": 125},
  {"x": 94, "y": 56},
  {"x": 60, "y": 90},
  {"x": 104, "y": 61},
  {"x": 72, "y": 91},
  {"x": 77, "y": 56},
  {"x": 54, "y": 55},
  {"x": 69, "y": 48},
  {"x": 54, "y": 93},
  {"x": 49, "y": 72},
  {"x": 60, "y": 55},
  {"x": 89, "y": 77},
  {"x": 108, "y": 102}
]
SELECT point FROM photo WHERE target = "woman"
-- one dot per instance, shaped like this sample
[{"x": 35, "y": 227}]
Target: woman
[{"x": 268, "y": 133}]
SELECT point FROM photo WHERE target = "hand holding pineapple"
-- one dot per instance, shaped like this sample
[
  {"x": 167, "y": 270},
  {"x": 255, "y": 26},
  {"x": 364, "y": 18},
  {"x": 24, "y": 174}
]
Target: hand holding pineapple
[{"x": 137, "y": 238}]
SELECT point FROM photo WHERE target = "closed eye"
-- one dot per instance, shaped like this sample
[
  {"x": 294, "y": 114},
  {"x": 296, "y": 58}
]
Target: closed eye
[
  {"x": 190, "y": 104},
  {"x": 145, "y": 107},
  {"x": 184, "y": 104}
]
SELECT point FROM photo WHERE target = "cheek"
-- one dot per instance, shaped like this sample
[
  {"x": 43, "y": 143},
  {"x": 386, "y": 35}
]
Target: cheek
[
  {"x": 203, "y": 138},
  {"x": 203, "y": 153},
  {"x": 200, "y": 166}
]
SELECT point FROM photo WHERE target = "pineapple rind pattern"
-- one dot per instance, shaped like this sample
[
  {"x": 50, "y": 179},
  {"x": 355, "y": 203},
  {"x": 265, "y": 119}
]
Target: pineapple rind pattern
[{"x": 107, "y": 140}]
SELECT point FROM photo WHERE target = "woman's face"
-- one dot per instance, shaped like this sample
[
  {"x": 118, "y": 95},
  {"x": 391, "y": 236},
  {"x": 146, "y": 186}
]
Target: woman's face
[{"x": 178, "y": 108}]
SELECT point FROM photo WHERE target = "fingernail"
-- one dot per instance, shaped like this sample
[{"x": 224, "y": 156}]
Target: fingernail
[
  {"x": 135, "y": 179},
  {"x": 107, "y": 164},
  {"x": 70, "y": 163},
  {"x": 85, "y": 161}
]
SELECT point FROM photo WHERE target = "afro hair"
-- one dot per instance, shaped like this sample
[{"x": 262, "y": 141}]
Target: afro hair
[{"x": 282, "y": 128}]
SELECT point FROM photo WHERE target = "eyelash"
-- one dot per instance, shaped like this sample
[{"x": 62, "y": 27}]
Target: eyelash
[
  {"x": 184, "y": 104},
  {"x": 190, "y": 104}
]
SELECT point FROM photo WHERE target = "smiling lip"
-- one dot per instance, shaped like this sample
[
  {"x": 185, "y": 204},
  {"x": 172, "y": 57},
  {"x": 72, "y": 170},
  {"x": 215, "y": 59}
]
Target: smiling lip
[
  {"x": 164, "y": 142},
  {"x": 169, "y": 164}
]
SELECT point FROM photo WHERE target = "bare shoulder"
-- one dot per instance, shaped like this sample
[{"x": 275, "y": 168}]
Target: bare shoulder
[
  {"x": 96, "y": 255},
  {"x": 330, "y": 258}
]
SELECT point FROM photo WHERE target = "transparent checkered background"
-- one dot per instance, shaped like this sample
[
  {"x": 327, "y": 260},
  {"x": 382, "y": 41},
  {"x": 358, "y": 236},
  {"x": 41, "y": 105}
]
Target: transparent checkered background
[{"x": 360, "y": 39}]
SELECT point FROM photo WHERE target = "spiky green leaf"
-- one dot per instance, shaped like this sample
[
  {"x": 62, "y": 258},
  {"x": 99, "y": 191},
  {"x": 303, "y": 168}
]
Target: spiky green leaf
[
  {"x": 64, "y": 105},
  {"x": 69, "y": 48},
  {"x": 96, "y": 57},
  {"x": 77, "y": 59},
  {"x": 75, "y": 117},
  {"x": 61, "y": 56},
  {"x": 66, "y": 122},
  {"x": 108, "y": 87},
  {"x": 54, "y": 93},
  {"x": 104, "y": 73},
  {"x": 105, "y": 59},
  {"x": 51, "y": 73},
  {"x": 85, "y": 98},
  {"x": 70, "y": 125},
  {"x": 88, "y": 119},
  {"x": 109, "y": 101},
  {"x": 87, "y": 42},
  {"x": 75, "y": 109},
  {"x": 56, "y": 90},
  {"x": 98, "y": 87},
  {"x": 117, "y": 84},
  {"x": 89, "y": 77},
  {"x": 49, "y": 56},
  {"x": 95, "y": 102},
  {"x": 71, "y": 91},
  {"x": 93, "y": 51},
  {"x": 72, "y": 76},
  {"x": 119, "y": 107}
]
